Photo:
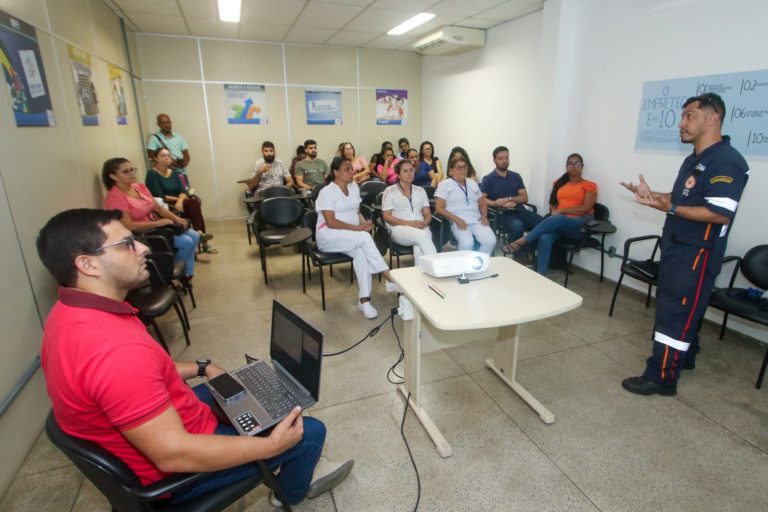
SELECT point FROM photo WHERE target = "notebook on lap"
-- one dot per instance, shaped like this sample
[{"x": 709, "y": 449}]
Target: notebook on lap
[{"x": 259, "y": 395}]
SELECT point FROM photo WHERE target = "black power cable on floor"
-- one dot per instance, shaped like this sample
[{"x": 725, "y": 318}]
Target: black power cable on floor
[
  {"x": 413, "y": 462},
  {"x": 391, "y": 371},
  {"x": 373, "y": 332}
]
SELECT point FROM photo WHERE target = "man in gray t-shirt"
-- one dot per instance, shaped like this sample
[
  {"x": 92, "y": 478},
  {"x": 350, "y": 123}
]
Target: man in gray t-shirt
[{"x": 312, "y": 170}]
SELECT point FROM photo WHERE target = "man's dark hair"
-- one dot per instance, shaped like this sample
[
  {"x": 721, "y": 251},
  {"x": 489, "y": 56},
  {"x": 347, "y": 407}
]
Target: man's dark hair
[
  {"x": 300, "y": 151},
  {"x": 499, "y": 150},
  {"x": 70, "y": 234},
  {"x": 109, "y": 168},
  {"x": 309, "y": 142},
  {"x": 709, "y": 100},
  {"x": 267, "y": 144},
  {"x": 403, "y": 139}
]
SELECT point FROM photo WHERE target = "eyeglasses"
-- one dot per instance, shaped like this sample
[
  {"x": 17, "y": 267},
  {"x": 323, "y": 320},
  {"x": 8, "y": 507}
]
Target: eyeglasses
[
  {"x": 132, "y": 170},
  {"x": 461, "y": 167},
  {"x": 575, "y": 164},
  {"x": 130, "y": 241}
]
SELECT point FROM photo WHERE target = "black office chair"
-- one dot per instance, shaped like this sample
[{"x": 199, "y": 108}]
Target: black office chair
[
  {"x": 646, "y": 271},
  {"x": 120, "y": 485},
  {"x": 587, "y": 242},
  {"x": 278, "y": 216},
  {"x": 253, "y": 210},
  {"x": 314, "y": 256},
  {"x": 370, "y": 191},
  {"x": 736, "y": 301},
  {"x": 161, "y": 240},
  {"x": 393, "y": 247},
  {"x": 156, "y": 299}
]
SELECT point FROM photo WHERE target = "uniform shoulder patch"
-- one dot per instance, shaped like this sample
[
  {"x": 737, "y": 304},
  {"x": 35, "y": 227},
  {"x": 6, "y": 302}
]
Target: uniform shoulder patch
[{"x": 721, "y": 179}]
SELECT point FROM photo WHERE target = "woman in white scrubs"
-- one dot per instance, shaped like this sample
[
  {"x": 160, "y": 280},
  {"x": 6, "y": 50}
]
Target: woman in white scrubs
[
  {"x": 341, "y": 228},
  {"x": 405, "y": 208},
  {"x": 461, "y": 202}
]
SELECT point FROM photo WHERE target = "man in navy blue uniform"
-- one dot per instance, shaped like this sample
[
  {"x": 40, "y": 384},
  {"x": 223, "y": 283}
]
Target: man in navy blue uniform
[
  {"x": 700, "y": 209},
  {"x": 505, "y": 190}
]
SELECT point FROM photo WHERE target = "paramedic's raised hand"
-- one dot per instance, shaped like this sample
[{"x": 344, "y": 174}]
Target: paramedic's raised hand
[{"x": 288, "y": 432}]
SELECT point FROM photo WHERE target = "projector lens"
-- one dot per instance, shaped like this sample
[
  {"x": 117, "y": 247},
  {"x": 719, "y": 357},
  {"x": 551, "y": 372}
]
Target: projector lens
[{"x": 478, "y": 264}]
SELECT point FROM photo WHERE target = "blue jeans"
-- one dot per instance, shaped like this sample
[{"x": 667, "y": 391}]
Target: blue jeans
[
  {"x": 548, "y": 231},
  {"x": 517, "y": 222},
  {"x": 186, "y": 246},
  {"x": 296, "y": 464}
]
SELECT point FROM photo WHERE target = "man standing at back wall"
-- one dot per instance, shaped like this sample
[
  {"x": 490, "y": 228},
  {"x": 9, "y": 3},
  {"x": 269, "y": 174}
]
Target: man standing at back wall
[
  {"x": 699, "y": 211},
  {"x": 174, "y": 142},
  {"x": 312, "y": 170}
]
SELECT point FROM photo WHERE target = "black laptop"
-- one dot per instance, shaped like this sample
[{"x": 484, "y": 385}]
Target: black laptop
[{"x": 260, "y": 394}]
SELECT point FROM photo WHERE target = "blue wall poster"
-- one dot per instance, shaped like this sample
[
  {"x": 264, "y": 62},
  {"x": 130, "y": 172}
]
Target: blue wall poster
[
  {"x": 392, "y": 106},
  {"x": 323, "y": 106},
  {"x": 246, "y": 103},
  {"x": 746, "y": 111},
  {"x": 24, "y": 73}
]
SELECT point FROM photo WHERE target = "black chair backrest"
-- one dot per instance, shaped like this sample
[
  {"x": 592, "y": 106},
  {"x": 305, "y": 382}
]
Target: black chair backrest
[
  {"x": 754, "y": 266},
  {"x": 159, "y": 239},
  {"x": 379, "y": 198},
  {"x": 160, "y": 266},
  {"x": 316, "y": 190},
  {"x": 372, "y": 189},
  {"x": 280, "y": 211},
  {"x": 601, "y": 212},
  {"x": 309, "y": 220},
  {"x": 430, "y": 190},
  {"x": 277, "y": 191},
  {"x": 110, "y": 475}
]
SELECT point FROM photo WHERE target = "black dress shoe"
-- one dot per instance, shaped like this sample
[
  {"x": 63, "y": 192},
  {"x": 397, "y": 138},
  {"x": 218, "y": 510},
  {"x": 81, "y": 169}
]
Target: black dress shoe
[
  {"x": 689, "y": 365},
  {"x": 640, "y": 386}
]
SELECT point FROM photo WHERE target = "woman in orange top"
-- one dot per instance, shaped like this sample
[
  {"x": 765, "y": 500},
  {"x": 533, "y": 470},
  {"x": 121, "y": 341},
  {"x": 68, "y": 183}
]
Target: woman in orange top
[{"x": 571, "y": 204}]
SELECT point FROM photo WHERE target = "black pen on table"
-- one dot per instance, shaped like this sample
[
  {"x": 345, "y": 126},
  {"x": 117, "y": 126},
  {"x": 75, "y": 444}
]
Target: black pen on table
[{"x": 438, "y": 292}]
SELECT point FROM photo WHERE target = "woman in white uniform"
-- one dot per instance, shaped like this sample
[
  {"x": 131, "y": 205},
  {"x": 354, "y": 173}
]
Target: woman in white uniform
[
  {"x": 406, "y": 211},
  {"x": 341, "y": 228},
  {"x": 461, "y": 202}
]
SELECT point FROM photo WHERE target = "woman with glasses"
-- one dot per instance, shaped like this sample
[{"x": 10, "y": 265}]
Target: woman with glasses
[
  {"x": 459, "y": 200},
  {"x": 571, "y": 204},
  {"x": 427, "y": 155},
  {"x": 164, "y": 182},
  {"x": 405, "y": 208},
  {"x": 342, "y": 228},
  {"x": 142, "y": 213}
]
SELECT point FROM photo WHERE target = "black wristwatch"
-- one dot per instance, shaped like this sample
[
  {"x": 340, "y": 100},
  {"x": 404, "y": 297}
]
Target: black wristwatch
[{"x": 202, "y": 364}]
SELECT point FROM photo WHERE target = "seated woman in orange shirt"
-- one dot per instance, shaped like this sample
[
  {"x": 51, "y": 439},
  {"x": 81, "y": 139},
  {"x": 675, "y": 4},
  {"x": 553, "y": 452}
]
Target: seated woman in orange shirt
[{"x": 571, "y": 204}]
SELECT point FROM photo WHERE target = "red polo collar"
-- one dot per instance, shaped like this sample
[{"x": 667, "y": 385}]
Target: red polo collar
[{"x": 82, "y": 299}]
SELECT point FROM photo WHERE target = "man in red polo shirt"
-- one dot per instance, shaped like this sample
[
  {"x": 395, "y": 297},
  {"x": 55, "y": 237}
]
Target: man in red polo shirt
[{"x": 111, "y": 383}]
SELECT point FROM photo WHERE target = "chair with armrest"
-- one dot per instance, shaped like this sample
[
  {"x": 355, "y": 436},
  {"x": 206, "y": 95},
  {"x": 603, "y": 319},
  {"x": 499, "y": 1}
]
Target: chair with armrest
[
  {"x": 252, "y": 220},
  {"x": 278, "y": 216},
  {"x": 738, "y": 301},
  {"x": 125, "y": 493},
  {"x": 646, "y": 271},
  {"x": 494, "y": 219},
  {"x": 161, "y": 240},
  {"x": 395, "y": 249},
  {"x": 588, "y": 241},
  {"x": 311, "y": 255},
  {"x": 369, "y": 192}
]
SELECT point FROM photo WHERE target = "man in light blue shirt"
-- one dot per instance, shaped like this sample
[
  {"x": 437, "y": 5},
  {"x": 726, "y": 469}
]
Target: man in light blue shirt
[{"x": 174, "y": 142}]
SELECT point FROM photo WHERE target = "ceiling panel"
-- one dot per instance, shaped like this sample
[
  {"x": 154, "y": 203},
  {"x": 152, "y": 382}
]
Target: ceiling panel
[
  {"x": 325, "y": 15},
  {"x": 331, "y": 22}
]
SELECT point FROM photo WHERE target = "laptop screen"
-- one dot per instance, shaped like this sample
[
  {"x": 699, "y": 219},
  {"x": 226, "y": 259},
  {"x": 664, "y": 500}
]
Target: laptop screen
[{"x": 297, "y": 346}]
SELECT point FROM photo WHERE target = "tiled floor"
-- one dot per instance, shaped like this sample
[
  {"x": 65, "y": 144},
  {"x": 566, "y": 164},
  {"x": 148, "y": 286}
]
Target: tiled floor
[{"x": 704, "y": 450}]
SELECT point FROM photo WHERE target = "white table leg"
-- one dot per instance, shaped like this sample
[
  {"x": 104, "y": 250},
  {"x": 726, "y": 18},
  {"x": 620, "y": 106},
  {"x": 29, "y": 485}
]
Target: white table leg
[
  {"x": 504, "y": 364},
  {"x": 411, "y": 388}
]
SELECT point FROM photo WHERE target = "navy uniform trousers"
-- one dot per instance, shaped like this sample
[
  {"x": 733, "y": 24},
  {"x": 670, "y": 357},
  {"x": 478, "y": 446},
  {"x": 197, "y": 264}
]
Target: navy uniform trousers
[{"x": 685, "y": 286}]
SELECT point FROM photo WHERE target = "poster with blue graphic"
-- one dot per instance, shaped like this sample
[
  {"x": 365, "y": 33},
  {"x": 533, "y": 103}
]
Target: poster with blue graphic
[
  {"x": 323, "y": 106},
  {"x": 746, "y": 111},
  {"x": 246, "y": 103},
  {"x": 24, "y": 73},
  {"x": 391, "y": 107}
]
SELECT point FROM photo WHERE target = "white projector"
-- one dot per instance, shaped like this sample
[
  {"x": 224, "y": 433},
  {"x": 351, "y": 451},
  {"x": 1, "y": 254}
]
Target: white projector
[{"x": 455, "y": 263}]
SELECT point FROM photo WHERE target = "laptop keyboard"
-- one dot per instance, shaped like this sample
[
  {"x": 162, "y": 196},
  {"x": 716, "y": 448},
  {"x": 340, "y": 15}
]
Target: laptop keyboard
[{"x": 274, "y": 395}]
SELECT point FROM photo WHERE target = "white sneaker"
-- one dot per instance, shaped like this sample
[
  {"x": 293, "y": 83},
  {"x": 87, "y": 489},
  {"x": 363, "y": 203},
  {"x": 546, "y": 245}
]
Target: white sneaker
[
  {"x": 328, "y": 475},
  {"x": 274, "y": 501},
  {"x": 393, "y": 287},
  {"x": 368, "y": 310}
]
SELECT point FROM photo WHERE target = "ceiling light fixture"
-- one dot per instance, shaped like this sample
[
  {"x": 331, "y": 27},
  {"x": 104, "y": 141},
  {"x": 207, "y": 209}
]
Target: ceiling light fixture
[
  {"x": 410, "y": 24},
  {"x": 229, "y": 10}
]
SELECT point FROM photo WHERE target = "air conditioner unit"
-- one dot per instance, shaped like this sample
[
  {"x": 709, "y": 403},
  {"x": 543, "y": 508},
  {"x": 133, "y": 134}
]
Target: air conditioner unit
[{"x": 451, "y": 40}]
